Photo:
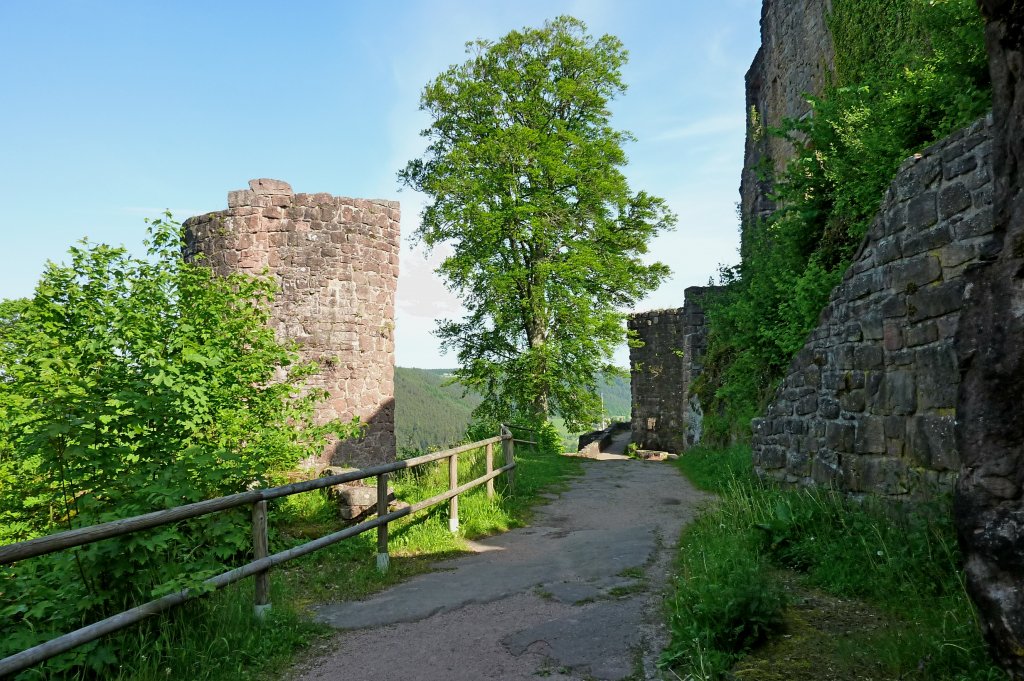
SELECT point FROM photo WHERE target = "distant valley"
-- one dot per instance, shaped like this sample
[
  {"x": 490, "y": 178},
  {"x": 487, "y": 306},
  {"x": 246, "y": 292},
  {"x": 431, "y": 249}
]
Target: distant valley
[{"x": 429, "y": 413}]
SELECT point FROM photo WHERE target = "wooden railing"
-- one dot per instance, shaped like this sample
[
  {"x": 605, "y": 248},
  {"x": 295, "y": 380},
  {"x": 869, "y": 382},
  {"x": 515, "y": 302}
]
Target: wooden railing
[{"x": 260, "y": 566}]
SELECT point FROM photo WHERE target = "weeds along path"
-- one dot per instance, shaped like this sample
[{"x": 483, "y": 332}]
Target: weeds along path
[{"x": 576, "y": 595}]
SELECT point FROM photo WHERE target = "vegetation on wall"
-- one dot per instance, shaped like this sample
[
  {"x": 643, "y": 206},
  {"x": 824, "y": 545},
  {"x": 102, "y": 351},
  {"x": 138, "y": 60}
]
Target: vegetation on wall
[{"x": 907, "y": 73}]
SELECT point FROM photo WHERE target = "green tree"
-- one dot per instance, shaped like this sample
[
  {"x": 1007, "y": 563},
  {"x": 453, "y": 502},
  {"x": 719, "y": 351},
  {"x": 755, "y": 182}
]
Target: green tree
[
  {"x": 524, "y": 172},
  {"x": 129, "y": 385}
]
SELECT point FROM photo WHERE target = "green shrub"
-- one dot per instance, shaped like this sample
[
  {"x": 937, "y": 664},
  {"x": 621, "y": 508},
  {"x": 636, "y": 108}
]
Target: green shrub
[
  {"x": 902, "y": 560},
  {"x": 130, "y": 385},
  {"x": 907, "y": 73},
  {"x": 725, "y": 600}
]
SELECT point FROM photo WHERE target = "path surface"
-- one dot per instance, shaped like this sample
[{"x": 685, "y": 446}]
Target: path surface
[{"x": 576, "y": 595}]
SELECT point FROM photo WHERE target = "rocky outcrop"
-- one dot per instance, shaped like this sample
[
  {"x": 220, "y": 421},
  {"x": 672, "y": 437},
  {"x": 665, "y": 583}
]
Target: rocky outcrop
[
  {"x": 868, "y": 405},
  {"x": 794, "y": 60},
  {"x": 663, "y": 365},
  {"x": 335, "y": 261},
  {"x": 989, "y": 497}
]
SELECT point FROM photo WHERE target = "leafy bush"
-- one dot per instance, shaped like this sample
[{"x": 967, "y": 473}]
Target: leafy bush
[
  {"x": 901, "y": 560},
  {"x": 130, "y": 385},
  {"x": 907, "y": 73},
  {"x": 725, "y": 601}
]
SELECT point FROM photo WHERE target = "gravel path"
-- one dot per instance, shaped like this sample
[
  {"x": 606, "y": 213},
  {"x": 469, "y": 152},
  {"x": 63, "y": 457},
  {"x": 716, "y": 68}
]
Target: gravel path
[{"x": 577, "y": 595}]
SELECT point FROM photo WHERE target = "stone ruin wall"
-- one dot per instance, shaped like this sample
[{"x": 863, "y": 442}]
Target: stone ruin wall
[
  {"x": 795, "y": 58},
  {"x": 335, "y": 260},
  {"x": 664, "y": 414},
  {"x": 869, "y": 404}
]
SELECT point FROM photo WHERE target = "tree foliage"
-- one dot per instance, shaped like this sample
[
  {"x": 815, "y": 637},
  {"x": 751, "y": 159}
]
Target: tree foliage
[
  {"x": 524, "y": 174},
  {"x": 907, "y": 72},
  {"x": 129, "y": 385}
]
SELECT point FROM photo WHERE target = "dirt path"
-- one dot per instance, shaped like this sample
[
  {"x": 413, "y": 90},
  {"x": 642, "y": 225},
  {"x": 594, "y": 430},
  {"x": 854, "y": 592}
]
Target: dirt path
[{"x": 577, "y": 595}]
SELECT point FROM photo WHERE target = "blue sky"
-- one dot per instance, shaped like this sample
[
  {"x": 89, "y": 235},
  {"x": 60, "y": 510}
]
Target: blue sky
[{"x": 115, "y": 111}]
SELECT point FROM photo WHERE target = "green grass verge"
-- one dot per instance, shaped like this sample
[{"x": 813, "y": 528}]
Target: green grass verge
[
  {"x": 216, "y": 638},
  {"x": 904, "y": 562}
]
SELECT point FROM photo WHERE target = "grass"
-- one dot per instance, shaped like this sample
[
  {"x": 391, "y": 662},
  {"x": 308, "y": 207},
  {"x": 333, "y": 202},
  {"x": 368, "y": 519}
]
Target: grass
[
  {"x": 216, "y": 638},
  {"x": 730, "y": 597}
]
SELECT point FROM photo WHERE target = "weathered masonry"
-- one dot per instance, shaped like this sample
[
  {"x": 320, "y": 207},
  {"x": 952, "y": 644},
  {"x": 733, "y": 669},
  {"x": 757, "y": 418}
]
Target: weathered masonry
[
  {"x": 869, "y": 403},
  {"x": 335, "y": 260},
  {"x": 662, "y": 367},
  {"x": 794, "y": 60}
]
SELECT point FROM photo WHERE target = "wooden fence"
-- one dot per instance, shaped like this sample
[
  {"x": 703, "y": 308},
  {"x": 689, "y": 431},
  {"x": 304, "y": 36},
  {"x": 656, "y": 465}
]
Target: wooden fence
[{"x": 260, "y": 566}]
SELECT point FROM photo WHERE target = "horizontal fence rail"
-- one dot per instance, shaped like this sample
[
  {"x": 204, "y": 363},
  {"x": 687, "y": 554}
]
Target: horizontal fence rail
[{"x": 262, "y": 563}]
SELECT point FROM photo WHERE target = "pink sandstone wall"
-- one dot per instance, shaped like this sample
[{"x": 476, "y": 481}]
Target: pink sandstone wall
[{"x": 335, "y": 260}]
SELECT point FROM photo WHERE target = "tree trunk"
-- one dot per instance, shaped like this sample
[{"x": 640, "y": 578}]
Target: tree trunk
[
  {"x": 988, "y": 506},
  {"x": 538, "y": 336}
]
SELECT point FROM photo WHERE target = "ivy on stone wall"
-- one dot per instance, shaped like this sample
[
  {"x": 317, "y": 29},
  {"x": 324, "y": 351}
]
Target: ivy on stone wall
[{"x": 907, "y": 73}]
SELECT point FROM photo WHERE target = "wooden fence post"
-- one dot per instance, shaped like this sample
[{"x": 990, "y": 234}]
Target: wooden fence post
[
  {"x": 490, "y": 469},
  {"x": 508, "y": 447},
  {"x": 260, "y": 549},
  {"x": 383, "y": 560},
  {"x": 453, "y": 504}
]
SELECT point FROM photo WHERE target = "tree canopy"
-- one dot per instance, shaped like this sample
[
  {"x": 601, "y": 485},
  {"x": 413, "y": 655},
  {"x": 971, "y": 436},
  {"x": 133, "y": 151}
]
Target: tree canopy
[{"x": 524, "y": 172}]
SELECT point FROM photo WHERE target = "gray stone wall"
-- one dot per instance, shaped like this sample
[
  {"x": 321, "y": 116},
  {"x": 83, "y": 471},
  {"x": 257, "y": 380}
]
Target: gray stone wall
[
  {"x": 662, "y": 366},
  {"x": 335, "y": 260},
  {"x": 794, "y": 60},
  {"x": 869, "y": 403}
]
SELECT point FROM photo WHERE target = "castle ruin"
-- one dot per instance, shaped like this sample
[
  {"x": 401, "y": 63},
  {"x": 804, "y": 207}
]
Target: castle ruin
[{"x": 335, "y": 261}]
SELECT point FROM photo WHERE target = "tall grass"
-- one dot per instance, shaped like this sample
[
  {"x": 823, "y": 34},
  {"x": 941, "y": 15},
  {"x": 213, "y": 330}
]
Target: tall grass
[{"x": 904, "y": 561}]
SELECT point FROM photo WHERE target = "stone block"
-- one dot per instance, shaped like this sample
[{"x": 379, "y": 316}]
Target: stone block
[
  {"x": 798, "y": 463},
  {"x": 267, "y": 187},
  {"x": 853, "y": 401},
  {"x": 922, "y": 334},
  {"x": 912, "y": 273},
  {"x": 938, "y": 377},
  {"x": 957, "y": 253},
  {"x": 825, "y": 468},
  {"x": 887, "y": 250},
  {"x": 953, "y": 199},
  {"x": 931, "y": 442},
  {"x": 839, "y": 436},
  {"x": 922, "y": 211},
  {"x": 771, "y": 457},
  {"x": 876, "y": 474},
  {"x": 959, "y": 166},
  {"x": 828, "y": 407},
  {"x": 892, "y": 336},
  {"x": 868, "y": 356},
  {"x": 807, "y": 405},
  {"x": 898, "y": 395},
  {"x": 894, "y": 306},
  {"x": 870, "y": 435},
  {"x": 240, "y": 198},
  {"x": 935, "y": 301},
  {"x": 977, "y": 224},
  {"x": 927, "y": 240}
]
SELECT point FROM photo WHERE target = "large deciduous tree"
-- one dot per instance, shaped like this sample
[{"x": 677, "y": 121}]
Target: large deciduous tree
[{"x": 524, "y": 173}]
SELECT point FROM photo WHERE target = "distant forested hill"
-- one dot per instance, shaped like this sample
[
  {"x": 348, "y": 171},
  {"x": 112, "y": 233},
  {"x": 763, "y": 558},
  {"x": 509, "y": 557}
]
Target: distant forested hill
[
  {"x": 617, "y": 403},
  {"x": 428, "y": 414}
]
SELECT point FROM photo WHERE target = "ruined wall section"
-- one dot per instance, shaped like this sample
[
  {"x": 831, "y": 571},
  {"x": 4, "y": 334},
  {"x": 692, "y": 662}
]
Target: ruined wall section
[
  {"x": 335, "y": 260},
  {"x": 794, "y": 60},
  {"x": 665, "y": 416},
  {"x": 869, "y": 403}
]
